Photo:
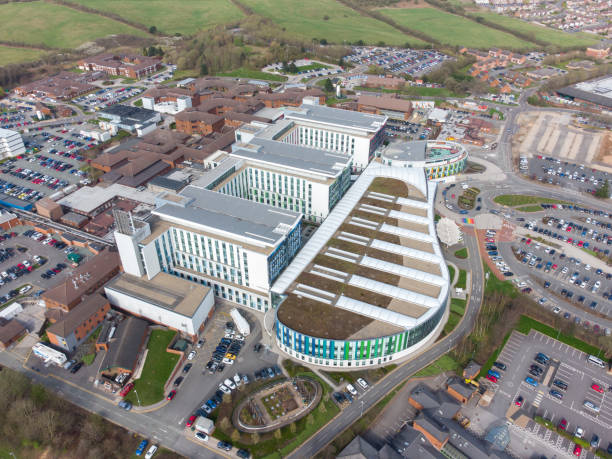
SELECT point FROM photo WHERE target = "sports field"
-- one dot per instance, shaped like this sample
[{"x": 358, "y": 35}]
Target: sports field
[
  {"x": 11, "y": 55},
  {"x": 184, "y": 16},
  {"x": 55, "y": 26},
  {"x": 307, "y": 20},
  {"x": 452, "y": 29},
  {"x": 552, "y": 36}
]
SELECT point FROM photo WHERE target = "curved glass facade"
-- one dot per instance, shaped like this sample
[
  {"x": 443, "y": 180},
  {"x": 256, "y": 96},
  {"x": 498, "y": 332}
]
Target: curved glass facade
[{"x": 372, "y": 351}]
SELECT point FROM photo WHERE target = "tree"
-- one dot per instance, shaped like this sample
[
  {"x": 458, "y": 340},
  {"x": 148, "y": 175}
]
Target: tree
[
  {"x": 153, "y": 29},
  {"x": 235, "y": 436},
  {"x": 203, "y": 69},
  {"x": 329, "y": 86},
  {"x": 224, "y": 423},
  {"x": 254, "y": 438},
  {"x": 322, "y": 407},
  {"x": 292, "y": 427},
  {"x": 278, "y": 434},
  {"x": 603, "y": 191},
  {"x": 310, "y": 419}
]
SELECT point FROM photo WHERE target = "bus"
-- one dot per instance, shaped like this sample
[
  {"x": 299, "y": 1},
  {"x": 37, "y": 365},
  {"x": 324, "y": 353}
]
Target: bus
[{"x": 596, "y": 361}]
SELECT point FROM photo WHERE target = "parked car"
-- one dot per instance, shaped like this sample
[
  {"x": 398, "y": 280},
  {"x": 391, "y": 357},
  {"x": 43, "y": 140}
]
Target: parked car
[{"x": 141, "y": 447}]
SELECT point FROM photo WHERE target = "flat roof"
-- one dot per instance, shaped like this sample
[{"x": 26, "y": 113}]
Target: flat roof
[
  {"x": 337, "y": 117},
  {"x": 272, "y": 152},
  {"x": 407, "y": 151},
  {"x": 253, "y": 222},
  {"x": 164, "y": 291},
  {"x": 88, "y": 198},
  {"x": 597, "y": 91}
]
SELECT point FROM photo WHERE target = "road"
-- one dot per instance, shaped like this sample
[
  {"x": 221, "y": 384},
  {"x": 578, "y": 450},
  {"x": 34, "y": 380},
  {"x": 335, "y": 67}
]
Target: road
[{"x": 349, "y": 415}]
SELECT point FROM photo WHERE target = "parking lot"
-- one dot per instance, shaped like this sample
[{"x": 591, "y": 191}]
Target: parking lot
[
  {"x": 567, "y": 365},
  {"x": 33, "y": 248},
  {"x": 16, "y": 114},
  {"x": 565, "y": 174},
  {"x": 406, "y": 129},
  {"x": 398, "y": 60},
  {"x": 106, "y": 97}
]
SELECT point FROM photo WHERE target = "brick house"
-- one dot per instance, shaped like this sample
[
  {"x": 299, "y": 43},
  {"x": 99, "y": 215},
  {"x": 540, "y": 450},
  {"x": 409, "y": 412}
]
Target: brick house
[{"x": 76, "y": 326}]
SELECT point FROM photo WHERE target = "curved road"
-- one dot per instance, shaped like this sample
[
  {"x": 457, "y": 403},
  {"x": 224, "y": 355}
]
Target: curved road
[{"x": 354, "y": 411}]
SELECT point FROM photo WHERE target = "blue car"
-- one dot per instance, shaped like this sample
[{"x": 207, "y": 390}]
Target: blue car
[
  {"x": 494, "y": 373},
  {"x": 141, "y": 447},
  {"x": 531, "y": 381}
]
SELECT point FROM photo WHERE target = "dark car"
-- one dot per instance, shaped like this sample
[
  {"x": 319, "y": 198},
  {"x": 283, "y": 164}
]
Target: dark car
[
  {"x": 560, "y": 384},
  {"x": 556, "y": 394},
  {"x": 224, "y": 446},
  {"x": 243, "y": 453},
  {"x": 501, "y": 366},
  {"x": 178, "y": 381},
  {"x": 187, "y": 368},
  {"x": 76, "y": 368}
]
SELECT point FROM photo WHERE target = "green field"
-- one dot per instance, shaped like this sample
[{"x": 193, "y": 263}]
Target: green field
[
  {"x": 254, "y": 74},
  {"x": 56, "y": 26},
  {"x": 307, "y": 20},
  {"x": 452, "y": 29},
  {"x": 185, "y": 17},
  {"x": 512, "y": 200},
  {"x": 552, "y": 36},
  {"x": 11, "y": 55},
  {"x": 149, "y": 388}
]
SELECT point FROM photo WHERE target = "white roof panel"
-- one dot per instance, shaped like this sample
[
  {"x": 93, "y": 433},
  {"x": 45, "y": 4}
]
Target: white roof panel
[
  {"x": 394, "y": 291},
  {"x": 375, "y": 312}
]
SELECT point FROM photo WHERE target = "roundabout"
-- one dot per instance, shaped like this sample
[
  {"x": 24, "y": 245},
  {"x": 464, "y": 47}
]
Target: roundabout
[{"x": 277, "y": 405}]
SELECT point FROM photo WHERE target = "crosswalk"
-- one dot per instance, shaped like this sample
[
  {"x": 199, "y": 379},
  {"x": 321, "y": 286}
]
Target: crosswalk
[{"x": 538, "y": 399}]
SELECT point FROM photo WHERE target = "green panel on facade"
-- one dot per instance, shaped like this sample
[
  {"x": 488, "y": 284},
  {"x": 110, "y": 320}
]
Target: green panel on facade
[
  {"x": 368, "y": 349},
  {"x": 346, "y": 351}
]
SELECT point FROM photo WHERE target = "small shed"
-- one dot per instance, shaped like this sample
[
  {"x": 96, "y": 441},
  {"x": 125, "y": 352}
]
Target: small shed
[{"x": 205, "y": 425}]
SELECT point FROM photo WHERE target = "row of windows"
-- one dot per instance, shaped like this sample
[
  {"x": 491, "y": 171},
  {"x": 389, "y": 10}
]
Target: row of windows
[
  {"x": 228, "y": 293},
  {"x": 327, "y": 140},
  {"x": 356, "y": 350}
]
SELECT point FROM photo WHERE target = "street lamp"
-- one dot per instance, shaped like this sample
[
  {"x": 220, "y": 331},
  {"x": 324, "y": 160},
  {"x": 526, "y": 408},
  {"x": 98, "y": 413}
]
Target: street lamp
[
  {"x": 361, "y": 409},
  {"x": 137, "y": 397}
]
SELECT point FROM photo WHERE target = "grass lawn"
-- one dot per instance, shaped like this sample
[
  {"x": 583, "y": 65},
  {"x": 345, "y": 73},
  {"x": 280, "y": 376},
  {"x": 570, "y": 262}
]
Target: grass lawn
[
  {"x": 451, "y": 272},
  {"x": 462, "y": 279},
  {"x": 254, "y": 74},
  {"x": 452, "y": 29},
  {"x": 55, "y": 25},
  {"x": 444, "y": 363},
  {"x": 493, "y": 284},
  {"x": 416, "y": 91},
  {"x": 343, "y": 24},
  {"x": 512, "y": 200},
  {"x": 552, "y": 36},
  {"x": 156, "y": 371},
  {"x": 489, "y": 363},
  {"x": 89, "y": 359},
  {"x": 462, "y": 253},
  {"x": 589, "y": 251},
  {"x": 457, "y": 309},
  {"x": 526, "y": 324},
  {"x": 185, "y": 17},
  {"x": 529, "y": 209},
  {"x": 12, "y": 55}
]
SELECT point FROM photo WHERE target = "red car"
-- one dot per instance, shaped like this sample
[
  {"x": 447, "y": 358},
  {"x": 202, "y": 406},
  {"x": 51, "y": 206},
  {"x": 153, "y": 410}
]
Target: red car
[
  {"x": 519, "y": 401},
  {"x": 555, "y": 266},
  {"x": 171, "y": 396},
  {"x": 597, "y": 388},
  {"x": 191, "y": 420},
  {"x": 563, "y": 424},
  {"x": 528, "y": 241},
  {"x": 126, "y": 389},
  {"x": 491, "y": 378},
  {"x": 577, "y": 450}
]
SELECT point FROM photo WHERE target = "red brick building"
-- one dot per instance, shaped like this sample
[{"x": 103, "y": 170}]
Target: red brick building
[
  {"x": 127, "y": 65},
  {"x": 72, "y": 329}
]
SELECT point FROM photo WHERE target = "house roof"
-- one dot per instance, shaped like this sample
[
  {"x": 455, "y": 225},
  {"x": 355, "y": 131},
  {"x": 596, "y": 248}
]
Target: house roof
[
  {"x": 434, "y": 428},
  {"x": 124, "y": 347},
  {"x": 358, "y": 448},
  {"x": 79, "y": 315},
  {"x": 85, "y": 277},
  {"x": 9, "y": 330}
]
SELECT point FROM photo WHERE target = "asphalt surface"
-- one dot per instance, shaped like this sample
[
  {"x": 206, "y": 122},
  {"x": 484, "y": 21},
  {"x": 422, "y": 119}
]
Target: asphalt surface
[
  {"x": 570, "y": 366},
  {"x": 350, "y": 414}
]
